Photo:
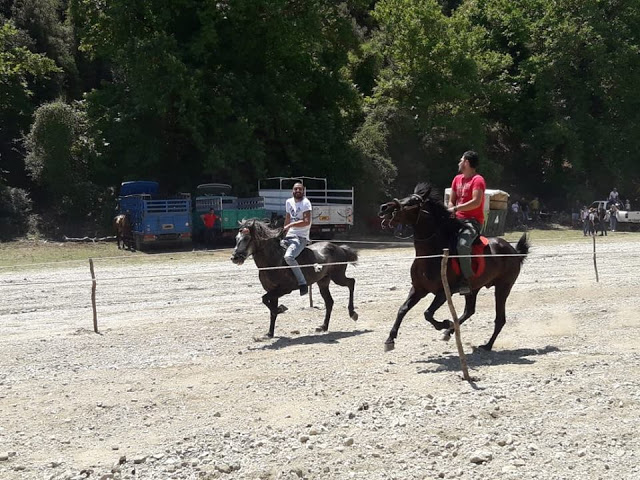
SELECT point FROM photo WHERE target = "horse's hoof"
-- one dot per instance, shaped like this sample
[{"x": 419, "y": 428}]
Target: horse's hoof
[
  {"x": 282, "y": 308},
  {"x": 388, "y": 346},
  {"x": 485, "y": 348},
  {"x": 354, "y": 316},
  {"x": 321, "y": 328},
  {"x": 446, "y": 337}
]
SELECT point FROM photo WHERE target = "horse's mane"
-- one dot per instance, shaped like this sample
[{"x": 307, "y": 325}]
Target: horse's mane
[
  {"x": 437, "y": 208},
  {"x": 260, "y": 231}
]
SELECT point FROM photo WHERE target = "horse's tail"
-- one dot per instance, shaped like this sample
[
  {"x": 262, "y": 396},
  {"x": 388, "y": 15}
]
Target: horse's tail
[
  {"x": 523, "y": 247},
  {"x": 350, "y": 253}
]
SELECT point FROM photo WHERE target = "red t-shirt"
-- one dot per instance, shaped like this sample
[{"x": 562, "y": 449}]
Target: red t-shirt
[
  {"x": 209, "y": 219},
  {"x": 464, "y": 188}
]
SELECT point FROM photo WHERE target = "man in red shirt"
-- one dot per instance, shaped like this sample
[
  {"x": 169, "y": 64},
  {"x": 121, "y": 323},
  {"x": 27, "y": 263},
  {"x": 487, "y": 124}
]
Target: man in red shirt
[
  {"x": 466, "y": 202},
  {"x": 209, "y": 220}
]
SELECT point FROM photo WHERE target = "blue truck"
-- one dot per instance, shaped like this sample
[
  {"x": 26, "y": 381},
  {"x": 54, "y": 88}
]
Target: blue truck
[{"x": 155, "y": 219}]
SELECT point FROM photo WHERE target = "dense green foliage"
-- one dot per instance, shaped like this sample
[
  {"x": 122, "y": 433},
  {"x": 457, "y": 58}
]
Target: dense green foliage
[{"x": 372, "y": 94}]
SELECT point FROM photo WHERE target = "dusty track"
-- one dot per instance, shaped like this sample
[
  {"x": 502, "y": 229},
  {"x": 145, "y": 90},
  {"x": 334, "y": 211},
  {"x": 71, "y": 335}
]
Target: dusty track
[{"x": 177, "y": 383}]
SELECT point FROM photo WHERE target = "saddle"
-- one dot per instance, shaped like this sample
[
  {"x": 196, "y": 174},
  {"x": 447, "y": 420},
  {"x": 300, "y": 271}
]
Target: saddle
[{"x": 477, "y": 263}]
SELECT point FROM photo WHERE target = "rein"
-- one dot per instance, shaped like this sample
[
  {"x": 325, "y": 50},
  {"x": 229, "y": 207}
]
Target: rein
[{"x": 430, "y": 236}]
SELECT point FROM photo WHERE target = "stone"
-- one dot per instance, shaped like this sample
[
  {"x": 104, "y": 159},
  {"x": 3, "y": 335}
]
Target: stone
[{"x": 480, "y": 456}]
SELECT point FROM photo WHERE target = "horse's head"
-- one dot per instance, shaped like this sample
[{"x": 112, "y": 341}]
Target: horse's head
[
  {"x": 407, "y": 210},
  {"x": 244, "y": 243},
  {"x": 251, "y": 238}
]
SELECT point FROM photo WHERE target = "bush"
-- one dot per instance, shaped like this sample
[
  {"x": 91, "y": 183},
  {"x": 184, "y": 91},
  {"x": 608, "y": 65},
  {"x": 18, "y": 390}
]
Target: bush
[{"x": 15, "y": 212}]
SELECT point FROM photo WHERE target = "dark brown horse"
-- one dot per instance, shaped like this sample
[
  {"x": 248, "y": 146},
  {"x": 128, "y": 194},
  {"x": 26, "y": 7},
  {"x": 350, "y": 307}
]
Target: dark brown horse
[
  {"x": 122, "y": 227},
  {"x": 258, "y": 239},
  {"x": 435, "y": 230}
]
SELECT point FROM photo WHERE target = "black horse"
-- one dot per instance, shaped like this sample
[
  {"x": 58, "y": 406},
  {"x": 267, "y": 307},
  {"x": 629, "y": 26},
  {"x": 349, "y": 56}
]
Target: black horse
[
  {"x": 435, "y": 230},
  {"x": 258, "y": 239}
]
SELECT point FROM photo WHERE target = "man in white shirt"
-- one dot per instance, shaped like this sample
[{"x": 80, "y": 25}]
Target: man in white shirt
[{"x": 297, "y": 224}]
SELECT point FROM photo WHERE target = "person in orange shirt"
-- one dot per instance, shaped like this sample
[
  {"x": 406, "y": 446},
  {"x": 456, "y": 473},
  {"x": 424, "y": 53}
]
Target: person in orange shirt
[{"x": 209, "y": 220}]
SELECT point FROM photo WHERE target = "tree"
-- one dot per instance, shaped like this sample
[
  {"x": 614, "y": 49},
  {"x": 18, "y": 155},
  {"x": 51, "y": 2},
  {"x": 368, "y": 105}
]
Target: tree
[
  {"x": 566, "y": 115},
  {"x": 237, "y": 90},
  {"x": 429, "y": 92},
  {"x": 20, "y": 72},
  {"x": 60, "y": 158}
]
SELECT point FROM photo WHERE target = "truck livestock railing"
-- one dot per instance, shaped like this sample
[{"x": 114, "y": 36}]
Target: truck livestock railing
[
  {"x": 229, "y": 209},
  {"x": 332, "y": 208}
]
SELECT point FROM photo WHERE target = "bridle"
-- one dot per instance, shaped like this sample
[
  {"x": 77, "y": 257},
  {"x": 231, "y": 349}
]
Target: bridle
[
  {"x": 245, "y": 232},
  {"x": 420, "y": 204}
]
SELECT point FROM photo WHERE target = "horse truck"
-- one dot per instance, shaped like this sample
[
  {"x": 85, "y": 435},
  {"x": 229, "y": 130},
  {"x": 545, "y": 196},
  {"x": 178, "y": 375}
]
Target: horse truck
[
  {"x": 332, "y": 208},
  {"x": 156, "y": 220},
  {"x": 229, "y": 209}
]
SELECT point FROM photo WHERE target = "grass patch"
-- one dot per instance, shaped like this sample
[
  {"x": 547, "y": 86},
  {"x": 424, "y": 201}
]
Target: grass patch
[
  {"x": 22, "y": 254},
  {"x": 568, "y": 235},
  {"x": 46, "y": 254}
]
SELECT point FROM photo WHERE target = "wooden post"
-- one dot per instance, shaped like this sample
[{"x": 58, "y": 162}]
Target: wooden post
[
  {"x": 310, "y": 296},
  {"x": 93, "y": 296},
  {"x": 595, "y": 265},
  {"x": 456, "y": 323}
]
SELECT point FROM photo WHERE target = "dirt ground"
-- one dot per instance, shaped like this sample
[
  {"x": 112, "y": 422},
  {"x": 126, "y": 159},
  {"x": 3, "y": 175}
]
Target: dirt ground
[{"x": 177, "y": 385}]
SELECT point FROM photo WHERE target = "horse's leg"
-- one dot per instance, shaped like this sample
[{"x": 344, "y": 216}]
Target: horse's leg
[
  {"x": 469, "y": 309},
  {"x": 323, "y": 284},
  {"x": 271, "y": 301},
  {"x": 502, "y": 292},
  {"x": 341, "y": 279},
  {"x": 414, "y": 297},
  {"x": 437, "y": 302}
]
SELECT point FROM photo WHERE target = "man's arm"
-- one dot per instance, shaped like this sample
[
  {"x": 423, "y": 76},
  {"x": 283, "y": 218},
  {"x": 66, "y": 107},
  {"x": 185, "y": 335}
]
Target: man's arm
[
  {"x": 475, "y": 202},
  {"x": 306, "y": 221},
  {"x": 452, "y": 198}
]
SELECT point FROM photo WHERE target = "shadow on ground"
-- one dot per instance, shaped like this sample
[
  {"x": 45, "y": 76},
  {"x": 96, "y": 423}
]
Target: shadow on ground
[
  {"x": 326, "y": 338},
  {"x": 481, "y": 358}
]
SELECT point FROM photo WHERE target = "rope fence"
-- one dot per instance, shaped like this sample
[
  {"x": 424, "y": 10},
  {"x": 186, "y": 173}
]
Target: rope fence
[
  {"x": 195, "y": 253},
  {"x": 225, "y": 270}
]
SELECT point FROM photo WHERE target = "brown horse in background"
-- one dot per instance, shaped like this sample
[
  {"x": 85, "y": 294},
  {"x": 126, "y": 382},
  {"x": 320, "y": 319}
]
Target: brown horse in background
[
  {"x": 122, "y": 227},
  {"x": 435, "y": 230}
]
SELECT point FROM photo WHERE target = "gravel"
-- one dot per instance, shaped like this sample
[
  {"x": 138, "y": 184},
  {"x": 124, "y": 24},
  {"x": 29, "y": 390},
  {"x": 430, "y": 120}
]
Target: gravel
[{"x": 181, "y": 385}]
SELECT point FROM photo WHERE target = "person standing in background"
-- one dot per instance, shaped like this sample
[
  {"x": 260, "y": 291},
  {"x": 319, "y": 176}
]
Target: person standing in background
[
  {"x": 209, "y": 221},
  {"x": 613, "y": 196},
  {"x": 613, "y": 218}
]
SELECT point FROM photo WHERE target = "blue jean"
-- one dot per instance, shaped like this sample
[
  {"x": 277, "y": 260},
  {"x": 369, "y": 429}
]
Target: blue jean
[
  {"x": 294, "y": 246},
  {"x": 466, "y": 237}
]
